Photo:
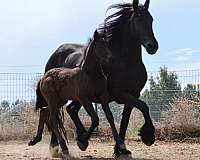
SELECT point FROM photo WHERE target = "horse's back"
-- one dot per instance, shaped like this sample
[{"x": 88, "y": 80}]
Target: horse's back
[{"x": 67, "y": 55}]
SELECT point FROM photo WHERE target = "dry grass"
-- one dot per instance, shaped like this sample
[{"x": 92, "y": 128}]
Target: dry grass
[
  {"x": 19, "y": 125},
  {"x": 181, "y": 121}
]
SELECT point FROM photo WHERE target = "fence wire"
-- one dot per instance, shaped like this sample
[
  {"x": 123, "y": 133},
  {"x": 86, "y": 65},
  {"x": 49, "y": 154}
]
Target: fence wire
[{"x": 17, "y": 93}]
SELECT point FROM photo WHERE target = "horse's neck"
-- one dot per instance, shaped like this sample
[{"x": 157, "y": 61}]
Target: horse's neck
[
  {"x": 128, "y": 46},
  {"x": 91, "y": 65}
]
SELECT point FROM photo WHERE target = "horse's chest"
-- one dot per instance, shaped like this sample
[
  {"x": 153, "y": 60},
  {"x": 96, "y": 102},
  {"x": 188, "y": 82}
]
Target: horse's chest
[
  {"x": 128, "y": 79},
  {"x": 137, "y": 78}
]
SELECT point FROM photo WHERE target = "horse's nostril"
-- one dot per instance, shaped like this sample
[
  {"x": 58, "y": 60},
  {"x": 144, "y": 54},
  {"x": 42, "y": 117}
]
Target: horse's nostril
[{"x": 150, "y": 46}]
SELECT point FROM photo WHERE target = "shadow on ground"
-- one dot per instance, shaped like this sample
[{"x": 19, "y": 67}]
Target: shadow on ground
[{"x": 122, "y": 158}]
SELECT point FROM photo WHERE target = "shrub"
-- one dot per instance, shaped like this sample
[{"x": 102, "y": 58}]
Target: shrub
[{"x": 181, "y": 121}]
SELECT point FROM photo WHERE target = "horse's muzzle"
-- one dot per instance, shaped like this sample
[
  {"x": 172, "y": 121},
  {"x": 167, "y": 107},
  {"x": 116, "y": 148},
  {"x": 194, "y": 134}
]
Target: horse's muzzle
[{"x": 151, "y": 47}]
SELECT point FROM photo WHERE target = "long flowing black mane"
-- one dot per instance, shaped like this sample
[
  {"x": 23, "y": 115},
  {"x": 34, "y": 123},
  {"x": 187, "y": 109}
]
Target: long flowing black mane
[{"x": 112, "y": 27}]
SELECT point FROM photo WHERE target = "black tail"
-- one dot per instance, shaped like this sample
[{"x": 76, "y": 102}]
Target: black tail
[
  {"x": 60, "y": 118},
  {"x": 40, "y": 101}
]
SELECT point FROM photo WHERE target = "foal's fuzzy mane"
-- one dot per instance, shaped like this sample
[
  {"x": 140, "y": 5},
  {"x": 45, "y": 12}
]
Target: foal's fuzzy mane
[{"x": 88, "y": 44}]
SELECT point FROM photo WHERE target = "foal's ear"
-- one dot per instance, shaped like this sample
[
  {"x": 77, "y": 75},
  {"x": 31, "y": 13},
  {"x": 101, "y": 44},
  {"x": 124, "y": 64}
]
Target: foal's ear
[
  {"x": 146, "y": 5},
  {"x": 96, "y": 35},
  {"x": 135, "y": 4}
]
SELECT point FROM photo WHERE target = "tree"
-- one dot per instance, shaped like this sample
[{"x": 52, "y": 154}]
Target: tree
[
  {"x": 161, "y": 91},
  {"x": 4, "y": 105}
]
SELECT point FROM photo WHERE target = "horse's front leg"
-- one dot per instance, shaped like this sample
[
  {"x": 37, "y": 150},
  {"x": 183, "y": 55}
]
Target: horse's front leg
[
  {"x": 147, "y": 131},
  {"x": 87, "y": 104}
]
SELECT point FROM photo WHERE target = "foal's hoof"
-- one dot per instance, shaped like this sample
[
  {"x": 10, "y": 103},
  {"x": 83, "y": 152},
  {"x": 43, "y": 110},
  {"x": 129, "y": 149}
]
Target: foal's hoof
[
  {"x": 82, "y": 145},
  {"x": 55, "y": 152},
  {"x": 33, "y": 141},
  {"x": 147, "y": 134},
  {"x": 66, "y": 155}
]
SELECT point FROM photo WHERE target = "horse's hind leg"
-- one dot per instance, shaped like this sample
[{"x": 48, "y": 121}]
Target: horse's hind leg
[
  {"x": 119, "y": 142},
  {"x": 73, "y": 109},
  {"x": 44, "y": 113},
  {"x": 123, "y": 127}
]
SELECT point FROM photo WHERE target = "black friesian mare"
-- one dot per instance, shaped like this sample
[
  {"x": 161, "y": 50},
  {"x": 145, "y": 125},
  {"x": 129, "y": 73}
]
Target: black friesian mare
[{"x": 125, "y": 31}]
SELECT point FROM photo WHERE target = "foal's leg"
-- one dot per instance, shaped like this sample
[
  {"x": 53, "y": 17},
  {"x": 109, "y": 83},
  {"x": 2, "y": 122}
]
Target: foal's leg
[
  {"x": 95, "y": 122},
  {"x": 53, "y": 122},
  {"x": 44, "y": 113}
]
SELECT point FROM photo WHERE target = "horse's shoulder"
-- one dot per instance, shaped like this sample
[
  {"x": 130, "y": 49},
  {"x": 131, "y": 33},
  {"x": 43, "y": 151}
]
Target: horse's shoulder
[{"x": 74, "y": 59}]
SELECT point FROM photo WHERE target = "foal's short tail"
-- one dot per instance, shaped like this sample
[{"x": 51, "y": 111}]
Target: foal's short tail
[
  {"x": 60, "y": 118},
  {"x": 40, "y": 101}
]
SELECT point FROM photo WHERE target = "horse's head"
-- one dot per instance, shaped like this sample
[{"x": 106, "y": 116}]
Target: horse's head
[{"x": 141, "y": 26}]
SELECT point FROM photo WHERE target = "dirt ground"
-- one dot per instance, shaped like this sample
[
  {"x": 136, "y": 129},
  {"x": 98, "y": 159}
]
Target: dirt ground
[{"x": 14, "y": 150}]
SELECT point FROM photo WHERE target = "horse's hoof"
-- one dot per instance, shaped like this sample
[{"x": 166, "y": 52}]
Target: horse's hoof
[
  {"x": 123, "y": 157},
  {"x": 33, "y": 141},
  {"x": 82, "y": 146},
  {"x": 55, "y": 153},
  {"x": 119, "y": 153},
  {"x": 147, "y": 134}
]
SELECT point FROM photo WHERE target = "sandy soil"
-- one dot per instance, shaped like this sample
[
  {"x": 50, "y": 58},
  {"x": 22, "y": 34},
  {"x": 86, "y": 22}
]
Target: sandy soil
[{"x": 14, "y": 150}]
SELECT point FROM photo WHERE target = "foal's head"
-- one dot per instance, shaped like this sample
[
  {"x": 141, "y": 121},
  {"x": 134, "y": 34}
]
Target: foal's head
[{"x": 99, "y": 48}]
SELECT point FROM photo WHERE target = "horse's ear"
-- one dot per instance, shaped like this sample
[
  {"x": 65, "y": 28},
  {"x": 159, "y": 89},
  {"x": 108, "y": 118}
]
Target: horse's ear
[
  {"x": 96, "y": 35},
  {"x": 135, "y": 4},
  {"x": 146, "y": 5}
]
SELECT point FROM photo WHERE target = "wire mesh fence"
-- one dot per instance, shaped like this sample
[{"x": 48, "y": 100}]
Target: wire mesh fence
[
  {"x": 185, "y": 83},
  {"x": 17, "y": 99}
]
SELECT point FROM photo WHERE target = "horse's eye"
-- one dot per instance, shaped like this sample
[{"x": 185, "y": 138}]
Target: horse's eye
[{"x": 138, "y": 14}]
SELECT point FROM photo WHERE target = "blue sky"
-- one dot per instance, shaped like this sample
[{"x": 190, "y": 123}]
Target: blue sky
[{"x": 31, "y": 30}]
